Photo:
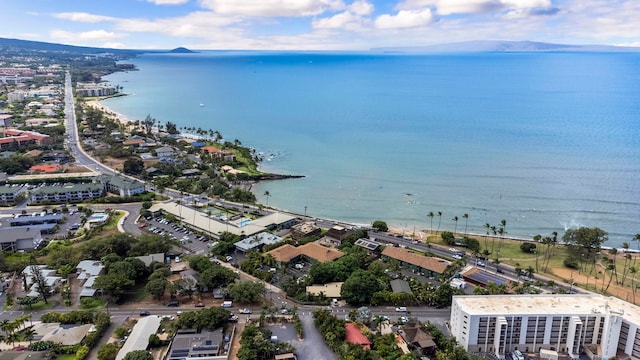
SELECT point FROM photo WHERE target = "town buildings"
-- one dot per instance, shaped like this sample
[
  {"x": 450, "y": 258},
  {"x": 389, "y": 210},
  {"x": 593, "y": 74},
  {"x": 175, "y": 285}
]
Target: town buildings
[{"x": 604, "y": 327}]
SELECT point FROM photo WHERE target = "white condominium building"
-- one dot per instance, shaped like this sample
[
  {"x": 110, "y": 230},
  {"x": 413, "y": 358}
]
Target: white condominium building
[{"x": 571, "y": 324}]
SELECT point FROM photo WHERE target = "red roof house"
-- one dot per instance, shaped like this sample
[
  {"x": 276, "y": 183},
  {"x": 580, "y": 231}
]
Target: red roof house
[{"x": 355, "y": 336}]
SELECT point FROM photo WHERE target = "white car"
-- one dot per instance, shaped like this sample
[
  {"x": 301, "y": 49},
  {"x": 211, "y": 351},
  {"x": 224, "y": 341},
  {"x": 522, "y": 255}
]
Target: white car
[
  {"x": 401, "y": 309},
  {"x": 245, "y": 311}
]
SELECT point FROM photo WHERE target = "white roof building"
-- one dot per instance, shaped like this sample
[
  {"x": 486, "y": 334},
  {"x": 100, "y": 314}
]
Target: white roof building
[
  {"x": 569, "y": 324},
  {"x": 89, "y": 268},
  {"x": 256, "y": 242},
  {"x": 139, "y": 337}
]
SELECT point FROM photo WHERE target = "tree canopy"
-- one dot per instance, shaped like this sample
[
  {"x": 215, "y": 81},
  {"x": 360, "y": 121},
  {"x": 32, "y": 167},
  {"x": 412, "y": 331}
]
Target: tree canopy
[{"x": 360, "y": 287}]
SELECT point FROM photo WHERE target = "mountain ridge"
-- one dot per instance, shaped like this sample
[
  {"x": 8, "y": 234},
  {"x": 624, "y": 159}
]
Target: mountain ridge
[{"x": 505, "y": 46}]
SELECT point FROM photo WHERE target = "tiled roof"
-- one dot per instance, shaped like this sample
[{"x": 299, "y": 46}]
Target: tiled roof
[
  {"x": 311, "y": 250},
  {"x": 434, "y": 264}
]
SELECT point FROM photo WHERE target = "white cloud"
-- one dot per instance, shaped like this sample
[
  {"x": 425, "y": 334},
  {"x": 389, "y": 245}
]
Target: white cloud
[
  {"x": 344, "y": 20},
  {"x": 450, "y": 7},
  {"x": 82, "y": 17},
  {"x": 84, "y": 37},
  {"x": 201, "y": 24},
  {"x": 288, "y": 8},
  {"x": 168, "y": 2},
  {"x": 361, "y": 7},
  {"x": 405, "y": 19}
]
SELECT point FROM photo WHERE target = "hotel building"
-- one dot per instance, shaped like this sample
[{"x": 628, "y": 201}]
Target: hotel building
[{"x": 603, "y": 327}]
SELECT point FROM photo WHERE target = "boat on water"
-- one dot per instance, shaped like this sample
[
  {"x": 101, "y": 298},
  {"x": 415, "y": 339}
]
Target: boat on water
[{"x": 201, "y": 105}]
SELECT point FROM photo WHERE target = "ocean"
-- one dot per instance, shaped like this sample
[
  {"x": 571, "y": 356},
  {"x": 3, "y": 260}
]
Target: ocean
[{"x": 544, "y": 141}]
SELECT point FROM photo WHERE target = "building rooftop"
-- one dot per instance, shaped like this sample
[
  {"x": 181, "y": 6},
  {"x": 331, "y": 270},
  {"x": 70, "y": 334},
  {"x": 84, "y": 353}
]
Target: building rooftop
[
  {"x": 193, "y": 345},
  {"x": 550, "y": 304},
  {"x": 139, "y": 337},
  {"x": 286, "y": 253},
  {"x": 69, "y": 187},
  {"x": 355, "y": 336},
  {"x": 400, "y": 286},
  {"x": 434, "y": 264},
  {"x": 252, "y": 242},
  {"x": 330, "y": 290}
]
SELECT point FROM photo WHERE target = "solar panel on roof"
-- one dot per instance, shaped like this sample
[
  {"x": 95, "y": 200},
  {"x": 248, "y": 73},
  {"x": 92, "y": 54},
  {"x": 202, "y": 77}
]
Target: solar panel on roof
[{"x": 372, "y": 246}]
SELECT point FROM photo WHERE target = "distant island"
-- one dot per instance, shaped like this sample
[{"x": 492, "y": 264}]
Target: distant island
[
  {"x": 505, "y": 46},
  {"x": 181, "y": 50}
]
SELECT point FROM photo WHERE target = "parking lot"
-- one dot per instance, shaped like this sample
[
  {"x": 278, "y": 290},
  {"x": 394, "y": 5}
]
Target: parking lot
[
  {"x": 191, "y": 241},
  {"x": 68, "y": 223}
]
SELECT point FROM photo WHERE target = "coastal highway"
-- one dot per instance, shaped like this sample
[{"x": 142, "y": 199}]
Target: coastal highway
[{"x": 73, "y": 140}]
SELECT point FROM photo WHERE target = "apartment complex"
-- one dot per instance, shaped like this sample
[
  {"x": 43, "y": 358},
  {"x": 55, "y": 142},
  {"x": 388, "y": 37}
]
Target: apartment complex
[
  {"x": 65, "y": 193},
  {"x": 604, "y": 327}
]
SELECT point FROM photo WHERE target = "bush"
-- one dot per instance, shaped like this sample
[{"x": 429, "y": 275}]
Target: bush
[
  {"x": 527, "y": 247},
  {"x": 448, "y": 238},
  {"x": 41, "y": 346},
  {"x": 380, "y": 225},
  {"x": 571, "y": 263}
]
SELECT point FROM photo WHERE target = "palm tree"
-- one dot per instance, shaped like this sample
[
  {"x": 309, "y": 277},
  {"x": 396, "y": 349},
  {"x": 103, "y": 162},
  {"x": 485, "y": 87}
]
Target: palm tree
[
  {"x": 439, "y": 220},
  {"x": 455, "y": 229},
  {"x": 268, "y": 195},
  {"x": 633, "y": 270},
  {"x": 627, "y": 260},
  {"x": 431, "y": 215},
  {"x": 465, "y": 216},
  {"x": 503, "y": 224}
]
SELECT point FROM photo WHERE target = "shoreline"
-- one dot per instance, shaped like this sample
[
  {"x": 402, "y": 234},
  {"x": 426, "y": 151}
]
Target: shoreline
[{"x": 127, "y": 122}]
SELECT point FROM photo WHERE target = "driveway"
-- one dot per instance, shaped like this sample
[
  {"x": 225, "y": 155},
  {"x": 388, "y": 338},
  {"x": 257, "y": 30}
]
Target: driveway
[{"x": 312, "y": 347}]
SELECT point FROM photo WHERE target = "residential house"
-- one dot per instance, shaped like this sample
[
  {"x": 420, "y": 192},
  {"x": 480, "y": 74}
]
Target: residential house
[
  {"x": 165, "y": 152},
  {"x": 311, "y": 251},
  {"x": 138, "y": 339},
  {"x": 64, "y": 334},
  {"x": 134, "y": 141},
  {"x": 148, "y": 259},
  {"x": 219, "y": 153},
  {"x": 355, "y": 336},
  {"x": 188, "y": 344},
  {"x": 335, "y": 235},
  {"x": 425, "y": 265},
  {"x": 418, "y": 338},
  {"x": 305, "y": 229},
  {"x": 372, "y": 247},
  {"x": 40, "y": 121},
  {"x": 88, "y": 271},
  {"x": 6, "y": 120},
  {"x": 37, "y": 138}
]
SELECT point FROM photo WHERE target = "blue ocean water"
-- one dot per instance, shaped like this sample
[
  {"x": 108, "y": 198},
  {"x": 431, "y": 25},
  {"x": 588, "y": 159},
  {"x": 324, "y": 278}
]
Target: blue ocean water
[{"x": 545, "y": 141}]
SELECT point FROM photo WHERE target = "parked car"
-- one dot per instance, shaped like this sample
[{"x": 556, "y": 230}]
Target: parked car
[{"x": 173, "y": 303}]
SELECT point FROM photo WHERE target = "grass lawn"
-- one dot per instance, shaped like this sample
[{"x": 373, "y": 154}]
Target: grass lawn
[
  {"x": 66, "y": 357},
  {"x": 39, "y": 306},
  {"x": 112, "y": 223}
]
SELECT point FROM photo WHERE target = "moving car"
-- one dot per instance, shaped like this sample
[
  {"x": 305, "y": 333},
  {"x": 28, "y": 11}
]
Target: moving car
[
  {"x": 245, "y": 311},
  {"x": 144, "y": 313},
  {"x": 401, "y": 309},
  {"x": 173, "y": 303}
]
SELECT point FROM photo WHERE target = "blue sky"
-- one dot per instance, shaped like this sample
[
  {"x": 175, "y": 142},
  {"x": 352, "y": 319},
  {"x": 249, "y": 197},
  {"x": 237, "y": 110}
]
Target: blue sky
[{"x": 317, "y": 24}]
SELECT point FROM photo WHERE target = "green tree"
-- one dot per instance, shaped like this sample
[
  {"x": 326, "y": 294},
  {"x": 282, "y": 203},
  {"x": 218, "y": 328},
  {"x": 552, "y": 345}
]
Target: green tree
[
  {"x": 39, "y": 280},
  {"x": 585, "y": 243},
  {"x": 157, "y": 287},
  {"x": 133, "y": 166},
  {"x": 466, "y": 221},
  {"x": 247, "y": 292},
  {"x": 448, "y": 238},
  {"x": 360, "y": 287},
  {"x": 217, "y": 276},
  {"x": 138, "y": 355},
  {"x": 380, "y": 225},
  {"x": 108, "y": 351},
  {"x": 455, "y": 220}
]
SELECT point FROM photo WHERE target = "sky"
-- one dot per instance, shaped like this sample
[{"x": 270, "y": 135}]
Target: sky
[{"x": 317, "y": 24}]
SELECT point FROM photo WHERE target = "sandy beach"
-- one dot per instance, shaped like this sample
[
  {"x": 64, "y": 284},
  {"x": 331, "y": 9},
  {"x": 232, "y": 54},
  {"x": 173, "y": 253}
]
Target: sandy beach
[{"x": 119, "y": 117}]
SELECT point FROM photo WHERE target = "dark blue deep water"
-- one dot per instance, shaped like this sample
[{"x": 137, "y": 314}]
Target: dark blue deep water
[{"x": 545, "y": 141}]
